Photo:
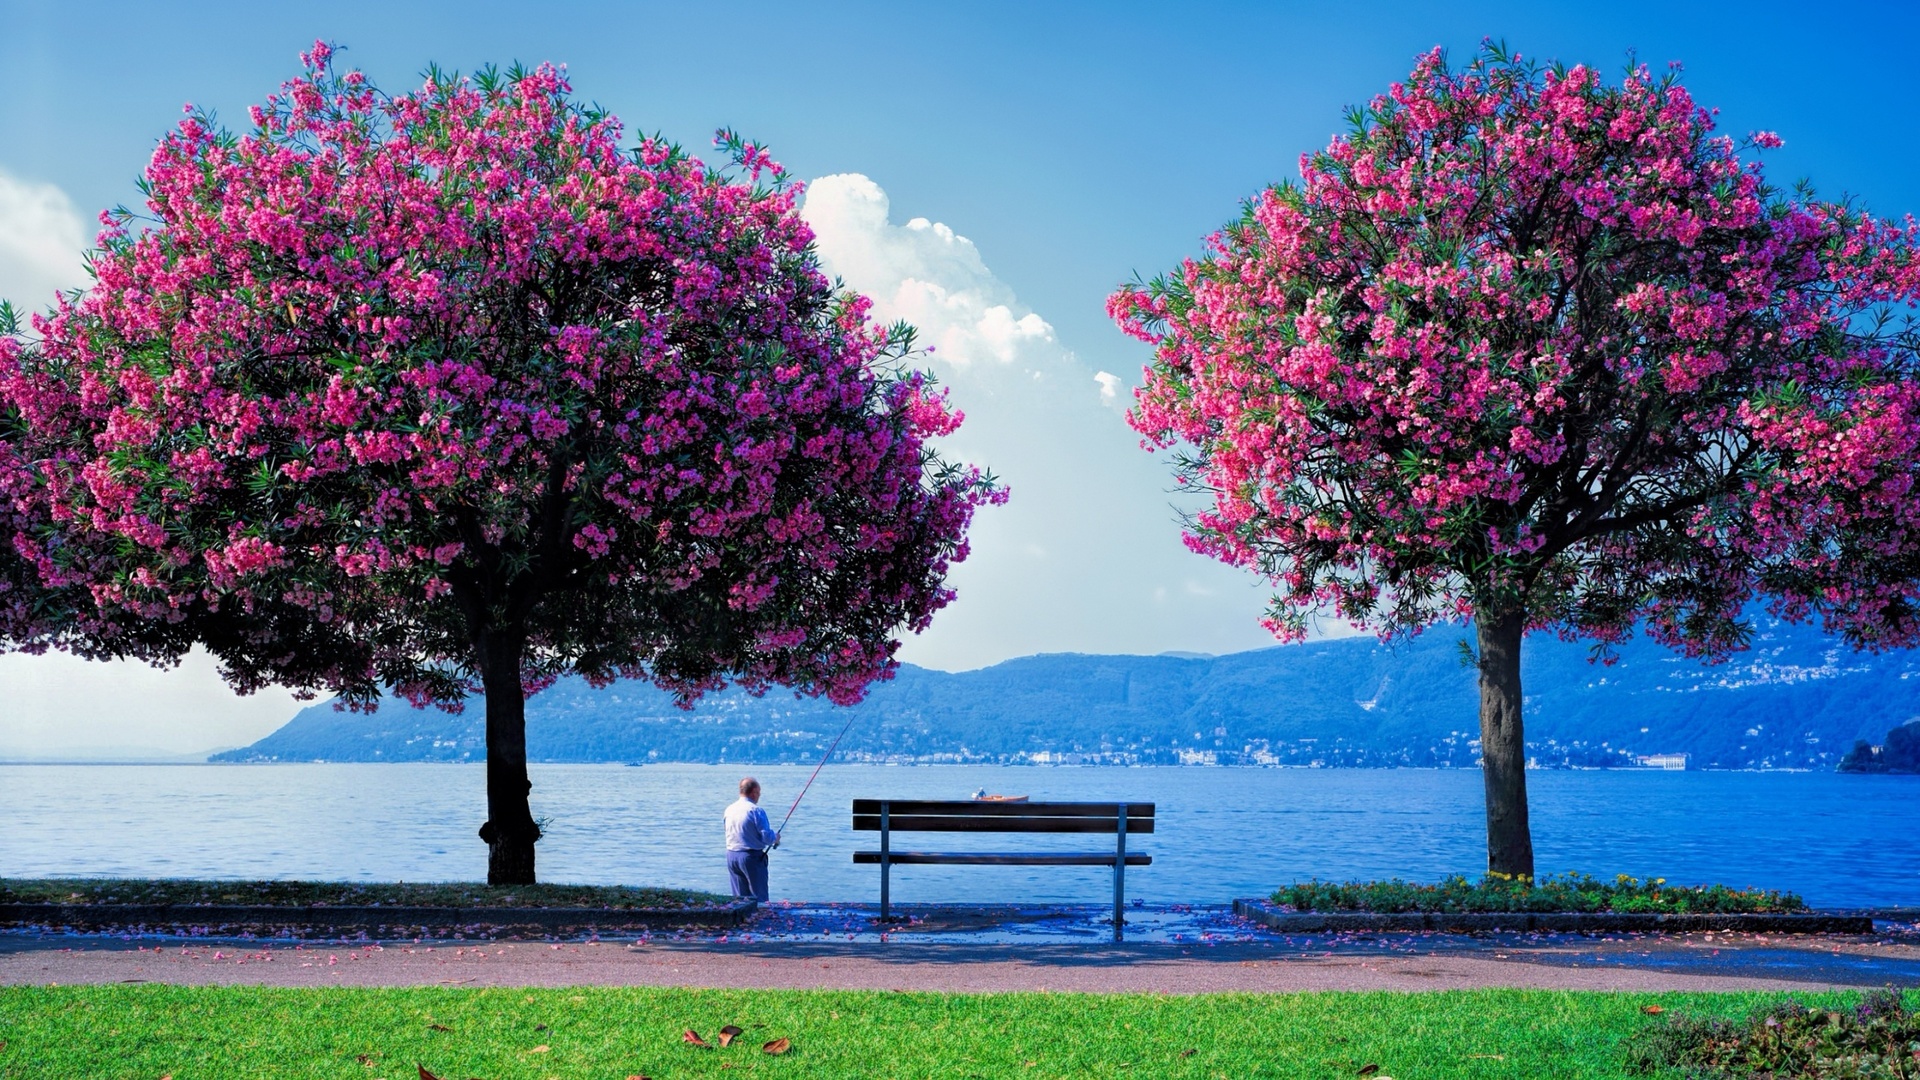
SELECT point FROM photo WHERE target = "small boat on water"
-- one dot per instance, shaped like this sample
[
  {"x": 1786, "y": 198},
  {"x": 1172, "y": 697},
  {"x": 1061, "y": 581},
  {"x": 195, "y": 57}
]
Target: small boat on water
[{"x": 982, "y": 796}]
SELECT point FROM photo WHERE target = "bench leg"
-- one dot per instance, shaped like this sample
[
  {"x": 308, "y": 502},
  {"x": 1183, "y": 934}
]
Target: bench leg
[
  {"x": 886, "y": 863},
  {"x": 1120, "y": 875}
]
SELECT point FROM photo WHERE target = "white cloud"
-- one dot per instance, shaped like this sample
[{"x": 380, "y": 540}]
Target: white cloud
[
  {"x": 923, "y": 272},
  {"x": 42, "y": 238},
  {"x": 1087, "y": 556}
]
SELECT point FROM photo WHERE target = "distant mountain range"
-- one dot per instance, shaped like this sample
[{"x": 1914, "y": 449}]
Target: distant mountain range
[{"x": 1797, "y": 699}]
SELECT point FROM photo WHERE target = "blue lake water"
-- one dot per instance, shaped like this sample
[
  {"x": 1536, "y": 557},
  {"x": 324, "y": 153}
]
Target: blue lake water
[{"x": 1840, "y": 841}]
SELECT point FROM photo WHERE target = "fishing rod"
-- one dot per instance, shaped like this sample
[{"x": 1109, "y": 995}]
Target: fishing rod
[{"x": 831, "y": 747}]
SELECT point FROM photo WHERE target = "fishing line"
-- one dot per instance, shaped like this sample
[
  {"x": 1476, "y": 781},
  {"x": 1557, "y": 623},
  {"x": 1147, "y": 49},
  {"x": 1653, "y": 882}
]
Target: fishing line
[{"x": 831, "y": 747}]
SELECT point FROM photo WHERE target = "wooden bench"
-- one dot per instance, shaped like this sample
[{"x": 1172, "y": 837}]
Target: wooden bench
[{"x": 888, "y": 816}]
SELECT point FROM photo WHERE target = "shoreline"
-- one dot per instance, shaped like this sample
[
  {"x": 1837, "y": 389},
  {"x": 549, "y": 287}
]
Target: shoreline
[{"x": 1246, "y": 922}]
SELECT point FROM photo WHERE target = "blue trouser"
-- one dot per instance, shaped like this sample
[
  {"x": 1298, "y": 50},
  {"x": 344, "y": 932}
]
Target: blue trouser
[{"x": 748, "y": 872}]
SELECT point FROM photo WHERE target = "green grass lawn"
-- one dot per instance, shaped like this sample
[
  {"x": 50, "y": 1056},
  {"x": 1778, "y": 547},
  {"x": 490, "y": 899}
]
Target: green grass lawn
[
  {"x": 198, "y": 1033},
  {"x": 336, "y": 893}
]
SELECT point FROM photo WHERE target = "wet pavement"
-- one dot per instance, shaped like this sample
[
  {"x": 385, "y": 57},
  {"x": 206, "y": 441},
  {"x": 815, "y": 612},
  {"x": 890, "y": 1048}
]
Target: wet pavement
[{"x": 1169, "y": 949}]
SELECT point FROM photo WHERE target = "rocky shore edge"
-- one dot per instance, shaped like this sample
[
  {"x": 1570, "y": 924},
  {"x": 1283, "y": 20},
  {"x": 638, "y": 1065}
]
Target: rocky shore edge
[
  {"x": 372, "y": 919},
  {"x": 1272, "y": 916}
]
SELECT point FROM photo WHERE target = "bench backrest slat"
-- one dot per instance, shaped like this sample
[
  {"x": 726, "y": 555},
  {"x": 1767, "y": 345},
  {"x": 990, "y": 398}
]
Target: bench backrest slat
[
  {"x": 931, "y": 823},
  {"x": 972, "y": 808},
  {"x": 920, "y": 815}
]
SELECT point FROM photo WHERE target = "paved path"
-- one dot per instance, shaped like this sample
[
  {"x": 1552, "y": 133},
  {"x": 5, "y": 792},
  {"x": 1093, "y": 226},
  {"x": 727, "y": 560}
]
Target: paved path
[
  {"x": 1171, "y": 949},
  {"x": 1412, "y": 962}
]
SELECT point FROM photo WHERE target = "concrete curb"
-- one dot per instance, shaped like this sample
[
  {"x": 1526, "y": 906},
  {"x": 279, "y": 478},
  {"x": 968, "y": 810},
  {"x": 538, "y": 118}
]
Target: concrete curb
[
  {"x": 1567, "y": 922},
  {"x": 213, "y": 919}
]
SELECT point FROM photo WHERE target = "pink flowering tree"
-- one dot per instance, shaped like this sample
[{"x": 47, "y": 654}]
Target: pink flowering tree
[
  {"x": 1542, "y": 352},
  {"x": 45, "y": 595},
  {"x": 447, "y": 391}
]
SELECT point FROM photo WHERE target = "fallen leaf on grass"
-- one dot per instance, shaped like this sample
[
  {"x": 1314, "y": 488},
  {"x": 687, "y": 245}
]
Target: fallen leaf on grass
[
  {"x": 1368, "y": 1069},
  {"x": 541, "y": 1049},
  {"x": 692, "y": 1038},
  {"x": 1489, "y": 1057},
  {"x": 438, "y": 1027},
  {"x": 424, "y": 1074},
  {"x": 637, "y": 1076},
  {"x": 730, "y": 1033},
  {"x": 1188, "y": 1053},
  {"x": 778, "y": 1046},
  {"x": 1653, "y": 1010},
  {"x": 539, "y": 1027}
]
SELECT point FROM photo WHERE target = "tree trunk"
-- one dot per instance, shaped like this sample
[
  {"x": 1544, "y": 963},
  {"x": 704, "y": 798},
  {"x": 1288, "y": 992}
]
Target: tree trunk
[
  {"x": 509, "y": 832},
  {"x": 1503, "y": 744}
]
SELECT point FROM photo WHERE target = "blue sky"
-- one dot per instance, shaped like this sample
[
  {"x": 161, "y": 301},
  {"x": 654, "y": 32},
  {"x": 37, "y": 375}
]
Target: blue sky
[{"x": 1049, "y": 153}]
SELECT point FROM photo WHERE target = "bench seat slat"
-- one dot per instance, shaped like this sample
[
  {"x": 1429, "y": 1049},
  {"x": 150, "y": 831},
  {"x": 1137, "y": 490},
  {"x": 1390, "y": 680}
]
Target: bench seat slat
[
  {"x": 1006, "y": 858},
  {"x": 955, "y": 823},
  {"x": 971, "y": 808}
]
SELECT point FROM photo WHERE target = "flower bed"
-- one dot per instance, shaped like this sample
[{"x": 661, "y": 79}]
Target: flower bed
[
  {"x": 301, "y": 894},
  {"x": 1565, "y": 893}
]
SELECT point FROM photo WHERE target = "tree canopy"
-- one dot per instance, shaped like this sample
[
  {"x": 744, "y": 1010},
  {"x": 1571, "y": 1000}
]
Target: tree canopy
[
  {"x": 445, "y": 389},
  {"x": 1544, "y": 352}
]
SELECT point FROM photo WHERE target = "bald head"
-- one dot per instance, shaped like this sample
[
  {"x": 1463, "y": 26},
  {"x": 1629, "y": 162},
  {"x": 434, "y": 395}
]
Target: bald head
[{"x": 750, "y": 788}]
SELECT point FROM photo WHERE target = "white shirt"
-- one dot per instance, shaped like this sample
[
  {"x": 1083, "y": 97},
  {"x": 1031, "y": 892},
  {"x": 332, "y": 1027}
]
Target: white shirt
[{"x": 748, "y": 827}]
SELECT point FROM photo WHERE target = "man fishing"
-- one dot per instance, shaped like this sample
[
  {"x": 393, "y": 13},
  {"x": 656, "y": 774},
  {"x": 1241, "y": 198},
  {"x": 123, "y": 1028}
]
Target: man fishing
[{"x": 750, "y": 835}]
